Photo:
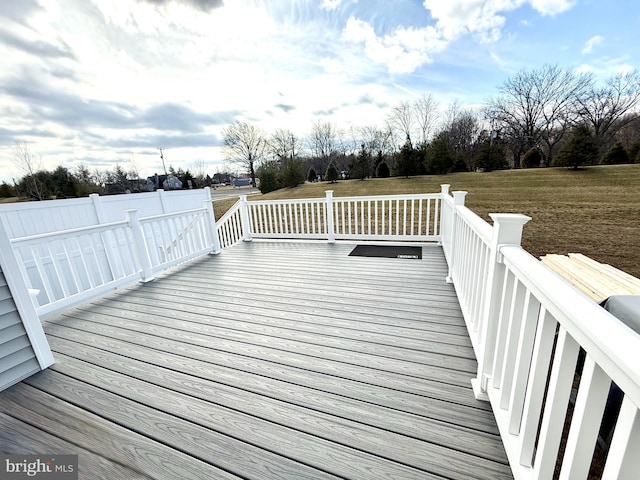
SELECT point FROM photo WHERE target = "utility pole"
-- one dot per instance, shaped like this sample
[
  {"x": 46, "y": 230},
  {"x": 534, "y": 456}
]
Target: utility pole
[{"x": 163, "y": 166}]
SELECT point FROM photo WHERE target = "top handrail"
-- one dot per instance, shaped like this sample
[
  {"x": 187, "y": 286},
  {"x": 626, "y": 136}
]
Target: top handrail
[
  {"x": 102, "y": 227},
  {"x": 421, "y": 196},
  {"x": 612, "y": 344}
]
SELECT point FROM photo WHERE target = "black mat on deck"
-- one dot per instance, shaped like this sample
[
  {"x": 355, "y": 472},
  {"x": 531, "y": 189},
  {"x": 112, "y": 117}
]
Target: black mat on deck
[{"x": 387, "y": 251}]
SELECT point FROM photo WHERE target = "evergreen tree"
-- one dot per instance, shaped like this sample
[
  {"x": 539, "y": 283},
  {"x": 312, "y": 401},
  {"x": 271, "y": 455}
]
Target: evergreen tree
[
  {"x": 634, "y": 152},
  {"x": 580, "y": 149},
  {"x": 269, "y": 177},
  {"x": 491, "y": 156},
  {"x": 291, "y": 174},
  {"x": 382, "y": 171},
  {"x": 332, "y": 173},
  {"x": 408, "y": 162},
  {"x": 361, "y": 164},
  {"x": 312, "y": 176},
  {"x": 615, "y": 155},
  {"x": 6, "y": 190},
  {"x": 439, "y": 158},
  {"x": 532, "y": 158}
]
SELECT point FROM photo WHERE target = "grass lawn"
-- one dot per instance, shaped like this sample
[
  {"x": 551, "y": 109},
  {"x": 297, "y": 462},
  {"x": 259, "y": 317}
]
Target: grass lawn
[{"x": 594, "y": 211}]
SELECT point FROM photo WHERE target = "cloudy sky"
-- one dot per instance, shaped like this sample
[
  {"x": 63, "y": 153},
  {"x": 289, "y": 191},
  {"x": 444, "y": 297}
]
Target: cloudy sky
[{"x": 104, "y": 81}]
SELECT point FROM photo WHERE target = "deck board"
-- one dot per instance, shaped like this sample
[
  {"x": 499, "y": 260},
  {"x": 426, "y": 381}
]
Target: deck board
[{"x": 271, "y": 360}]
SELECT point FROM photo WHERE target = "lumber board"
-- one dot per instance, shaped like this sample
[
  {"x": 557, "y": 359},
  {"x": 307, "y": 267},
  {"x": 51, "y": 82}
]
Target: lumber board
[
  {"x": 65, "y": 428},
  {"x": 353, "y": 448},
  {"x": 596, "y": 280},
  {"x": 18, "y": 437},
  {"x": 270, "y": 377},
  {"x": 279, "y": 409}
]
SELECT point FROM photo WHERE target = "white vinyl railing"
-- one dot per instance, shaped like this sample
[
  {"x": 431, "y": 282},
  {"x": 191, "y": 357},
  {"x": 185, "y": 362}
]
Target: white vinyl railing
[
  {"x": 72, "y": 266},
  {"x": 230, "y": 226},
  {"x": 377, "y": 218},
  {"x": 535, "y": 336}
]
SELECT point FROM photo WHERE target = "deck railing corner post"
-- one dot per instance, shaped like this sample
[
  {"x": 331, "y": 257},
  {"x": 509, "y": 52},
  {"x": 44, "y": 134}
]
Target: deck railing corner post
[
  {"x": 458, "y": 201},
  {"x": 17, "y": 280},
  {"x": 244, "y": 219},
  {"x": 507, "y": 230},
  {"x": 331, "y": 233},
  {"x": 211, "y": 221},
  {"x": 140, "y": 245}
]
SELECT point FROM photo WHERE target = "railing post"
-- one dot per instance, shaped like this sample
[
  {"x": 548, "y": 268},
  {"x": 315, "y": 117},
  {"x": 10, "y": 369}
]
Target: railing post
[
  {"x": 331, "y": 233},
  {"x": 140, "y": 245},
  {"x": 247, "y": 235},
  {"x": 211, "y": 220},
  {"x": 16, "y": 278},
  {"x": 507, "y": 230},
  {"x": 458, "y": 201},
  {"x": 444, "y": 193}
]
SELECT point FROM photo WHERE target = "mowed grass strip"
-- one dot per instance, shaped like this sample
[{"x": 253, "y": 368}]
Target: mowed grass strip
[{"x": 594, "y": 211}]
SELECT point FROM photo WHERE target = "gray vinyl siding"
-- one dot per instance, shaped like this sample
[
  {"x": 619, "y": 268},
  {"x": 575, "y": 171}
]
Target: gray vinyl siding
[{"x": 17, "y": 358}]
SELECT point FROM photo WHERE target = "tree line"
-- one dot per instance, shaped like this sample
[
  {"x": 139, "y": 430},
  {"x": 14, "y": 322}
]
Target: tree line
[
  {"x": 40, "y": 184},
  {"x": 547, "y": 116},
  {"x": 539, "y": 117}
]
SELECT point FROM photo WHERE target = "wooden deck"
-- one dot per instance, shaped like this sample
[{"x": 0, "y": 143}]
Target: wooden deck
[{"x": 268, "y": 361}]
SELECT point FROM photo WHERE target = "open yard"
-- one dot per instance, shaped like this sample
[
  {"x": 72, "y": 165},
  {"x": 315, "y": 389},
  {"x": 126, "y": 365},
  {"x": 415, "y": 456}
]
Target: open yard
[{"x": 594, "y": 211}]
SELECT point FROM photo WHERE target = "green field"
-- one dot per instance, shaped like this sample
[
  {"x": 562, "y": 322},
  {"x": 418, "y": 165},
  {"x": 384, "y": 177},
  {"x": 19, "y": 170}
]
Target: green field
[{"x": 594, "y": 211}]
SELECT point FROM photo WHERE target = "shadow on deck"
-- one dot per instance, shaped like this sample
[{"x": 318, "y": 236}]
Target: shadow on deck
[{"x": 271, "y": 360}]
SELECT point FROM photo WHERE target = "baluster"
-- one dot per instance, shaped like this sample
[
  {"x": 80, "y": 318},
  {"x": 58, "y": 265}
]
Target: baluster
[
  {"x": 522, "y": 362},
  {"x": 623, "y": 461},
  {"x": 375, "y": 208},
  {"x": 420, "y": 203},
  {"x": 508, "y": 291},
  {"x": 61, "y": 280},
  {"x": 83, "y": 261},
  {"x": 585, "y": 423},
  {"x": 516, "y": 313},
  {"x": 557, "y": 400},
  {"x": 73, "y": 270},
  {"x": 534, "y": 398}
]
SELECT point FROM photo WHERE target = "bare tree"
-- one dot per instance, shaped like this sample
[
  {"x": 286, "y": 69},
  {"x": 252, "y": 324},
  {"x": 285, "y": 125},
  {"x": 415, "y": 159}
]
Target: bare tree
[
  {"x": 426, "y": 113},
  {"x": 284, "y": 144},
  {"x": 558, "y": 91},
  {"x": 199, "y": 170},
  {"x": 535, "y": 107},
  {"x": 134, "y": 168},
  {"x": 461, "y": 132},
  {"x": 28, "y": 166},
  {"x": 605, "y": 108},
  {"x": 244, "y": 144},
  {"x": 323, "y": 141},
  {"x": 401, "y": 120}
]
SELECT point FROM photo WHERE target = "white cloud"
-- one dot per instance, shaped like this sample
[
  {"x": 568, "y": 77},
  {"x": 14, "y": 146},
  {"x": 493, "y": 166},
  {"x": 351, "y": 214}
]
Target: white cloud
[
  {"x": 604, "y": 68},
  {"x": 482, "y": 17},
  {"x": 330, "y": 4},
  {"x": 402, "y": 51},
  {"x": 552, "y": 7},
  {"x": 591, "y": 44},
  {"x": 407, "y": 48},
  {"x": 457, "y": 17}
]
